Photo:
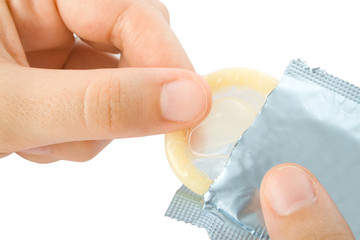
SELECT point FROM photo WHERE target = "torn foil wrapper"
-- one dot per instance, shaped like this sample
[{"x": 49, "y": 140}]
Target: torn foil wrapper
[{"x": 311, "y": 118}]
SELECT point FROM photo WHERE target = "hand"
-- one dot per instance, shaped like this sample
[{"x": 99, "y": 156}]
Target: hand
[
  {"x": 296, "y": 206},
  {"x": 48, "y": 114}
]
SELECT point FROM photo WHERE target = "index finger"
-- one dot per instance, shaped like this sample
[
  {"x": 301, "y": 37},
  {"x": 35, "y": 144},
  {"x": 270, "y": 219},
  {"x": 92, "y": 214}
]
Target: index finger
[{"x": 140, "y": 29}]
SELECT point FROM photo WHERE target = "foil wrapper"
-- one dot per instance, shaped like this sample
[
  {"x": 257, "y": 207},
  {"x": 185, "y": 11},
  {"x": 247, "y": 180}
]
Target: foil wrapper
[{"x": 311, "y": 118}]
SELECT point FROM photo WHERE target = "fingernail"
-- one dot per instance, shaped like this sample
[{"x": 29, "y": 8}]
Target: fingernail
[
  {"x": 289, "y": 189},
  {"x": 37, "y": 151},
  {"x": 183, "y": 100}
]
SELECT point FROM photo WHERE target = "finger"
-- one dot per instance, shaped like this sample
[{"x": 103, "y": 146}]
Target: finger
[
  {"x": 82, "y": 57},
  {"x": 296, "y": 206},
  {"x": 2, "y": 155},
  {"x": 39, "y": 25},
  {"x": 139, "y": 29},
  {"x": 37, "y": 158},
  {"x": 54, "y": 106},
  {"x": 10, "y": 46},
  {"x": 73, "y": 151}
]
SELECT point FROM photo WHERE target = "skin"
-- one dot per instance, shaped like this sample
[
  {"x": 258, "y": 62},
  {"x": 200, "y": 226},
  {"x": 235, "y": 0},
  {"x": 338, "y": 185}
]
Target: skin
[
  {"x": 56, "y": 111},
  {"x": 318, "y": 220},
  {"x": 65, "y": 98}
]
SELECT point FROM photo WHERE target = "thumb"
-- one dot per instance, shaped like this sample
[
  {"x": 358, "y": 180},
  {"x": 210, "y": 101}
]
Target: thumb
[
  {"x": 44, "y": 107},
  {"x": 296, "y": 206}
]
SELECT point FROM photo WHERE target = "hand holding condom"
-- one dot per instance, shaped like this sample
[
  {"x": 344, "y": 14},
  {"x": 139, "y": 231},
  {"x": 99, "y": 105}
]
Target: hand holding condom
[{"x": 48, "y": 114}]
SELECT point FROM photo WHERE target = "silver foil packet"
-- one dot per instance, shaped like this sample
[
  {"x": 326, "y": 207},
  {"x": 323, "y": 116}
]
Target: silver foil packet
[{"x": 311, "y": 118}]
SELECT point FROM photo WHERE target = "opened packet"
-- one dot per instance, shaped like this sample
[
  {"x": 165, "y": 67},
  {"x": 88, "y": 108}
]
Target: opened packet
[{"x": 310, "y": 118}]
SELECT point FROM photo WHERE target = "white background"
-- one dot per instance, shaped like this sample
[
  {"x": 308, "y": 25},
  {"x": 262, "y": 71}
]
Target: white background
[{"x": 124, "y": 192}]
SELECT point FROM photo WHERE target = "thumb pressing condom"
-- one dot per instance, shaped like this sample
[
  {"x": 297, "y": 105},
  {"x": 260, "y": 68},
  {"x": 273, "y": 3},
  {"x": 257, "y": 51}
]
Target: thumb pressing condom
[{"x": 199, "y": 154}]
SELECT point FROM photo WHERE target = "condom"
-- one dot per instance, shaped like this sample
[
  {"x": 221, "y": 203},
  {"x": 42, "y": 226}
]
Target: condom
[
  {"x": 310, "y": 118},
  {"x": 199, "y": 154}
]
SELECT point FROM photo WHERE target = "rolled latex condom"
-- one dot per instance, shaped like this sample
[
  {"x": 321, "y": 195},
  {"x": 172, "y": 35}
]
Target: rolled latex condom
[{"x": 199, "y": 154}]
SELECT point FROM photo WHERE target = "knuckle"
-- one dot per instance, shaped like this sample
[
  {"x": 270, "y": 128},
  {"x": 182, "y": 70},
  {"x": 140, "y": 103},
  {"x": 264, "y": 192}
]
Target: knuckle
[
  {"x": 120, "y": 27},
  {"x": 162, "y": 8},
  {"x": 134, "y": 19},
  {"x": 96, "y": 113},
  {"x": 131, "y": 21},
  {"x": 106, "y": 107},
  {"x": 145, "y": 4}
]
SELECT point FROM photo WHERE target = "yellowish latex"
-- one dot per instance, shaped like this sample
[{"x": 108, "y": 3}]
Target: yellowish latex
[{"x": 176, "y": 144}]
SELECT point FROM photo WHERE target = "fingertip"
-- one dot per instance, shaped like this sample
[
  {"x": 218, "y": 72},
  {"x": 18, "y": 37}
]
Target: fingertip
[
  {"x": 185, "y": 99},
  {"x": 288, "y": 188},
  {"x": 275, "y": 169},
  {"x": 296, "y": 206}
]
